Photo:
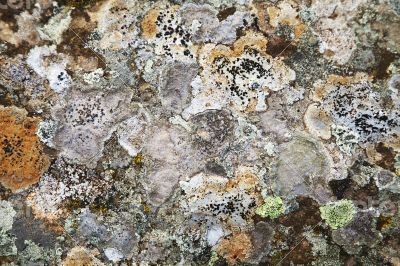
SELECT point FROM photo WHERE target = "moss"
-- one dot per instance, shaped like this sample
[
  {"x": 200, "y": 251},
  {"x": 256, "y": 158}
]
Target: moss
[
  {"x": 73, "y": 204},
  {"x": 338, "y": 214},
  {"x": 146, "y": 208},
  {"x": 273, "y": 207},
  {"x": 99, "y": 208}
]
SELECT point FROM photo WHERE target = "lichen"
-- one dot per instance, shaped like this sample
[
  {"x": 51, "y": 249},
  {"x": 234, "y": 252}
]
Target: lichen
[
  {"x": 236, "y": 248},
  {"x": 199, "y": 132},
  {"x": 213, "y": 259},
  {"x": 23, "y": 160},
  {"x": 338, "y": 214},
  {"x": 7, "y": 214},
  {"x": 231, "y": 202},
  {"x": 273, "y": 207},
  {"x": 34, "y": 253}
]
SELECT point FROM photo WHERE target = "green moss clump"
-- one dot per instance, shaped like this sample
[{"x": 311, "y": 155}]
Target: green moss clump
[
  {"x": 338, "y": 214},
  {"x": 273, "y": 207}
]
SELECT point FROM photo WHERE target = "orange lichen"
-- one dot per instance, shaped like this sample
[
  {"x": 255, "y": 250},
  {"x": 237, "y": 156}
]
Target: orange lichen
[
  {"x": 250, "y": 40},
  {"x": 22, "y": 160},
  {"x": 236, "y": 248},
  {"x": 149, "y": 26},
  {"x": 245, "y": 178}
]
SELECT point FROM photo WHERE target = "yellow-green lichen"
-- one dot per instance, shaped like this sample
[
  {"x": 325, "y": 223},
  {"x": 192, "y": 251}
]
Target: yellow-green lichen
[
  {"x": 338, "y": 214},
  {"x": 273, "y": 207},
  {"x": 213, "y": 259}
]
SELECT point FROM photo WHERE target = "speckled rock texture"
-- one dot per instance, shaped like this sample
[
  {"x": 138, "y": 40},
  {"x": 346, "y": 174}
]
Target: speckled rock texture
[{"x": 199, "y": 132}]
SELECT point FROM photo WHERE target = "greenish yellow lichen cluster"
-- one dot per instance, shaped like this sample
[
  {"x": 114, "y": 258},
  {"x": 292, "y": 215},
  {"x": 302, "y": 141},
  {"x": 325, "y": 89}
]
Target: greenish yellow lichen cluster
[
  {"x": 213, "y": 259},
  {"x": 338, "y": 214},
  {"x": 273, "y": 207}
]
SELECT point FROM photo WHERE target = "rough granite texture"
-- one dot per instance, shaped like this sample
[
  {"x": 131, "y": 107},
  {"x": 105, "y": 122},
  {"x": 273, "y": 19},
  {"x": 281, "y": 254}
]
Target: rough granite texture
[{"x": 199, "y": 132}]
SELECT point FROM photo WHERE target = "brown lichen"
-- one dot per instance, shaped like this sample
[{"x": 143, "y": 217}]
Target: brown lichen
[{"x": 22, "y": 160}]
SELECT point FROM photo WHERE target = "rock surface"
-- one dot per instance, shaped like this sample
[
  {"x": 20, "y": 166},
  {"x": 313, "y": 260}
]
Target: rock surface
[{"x": 200, "y": 132}]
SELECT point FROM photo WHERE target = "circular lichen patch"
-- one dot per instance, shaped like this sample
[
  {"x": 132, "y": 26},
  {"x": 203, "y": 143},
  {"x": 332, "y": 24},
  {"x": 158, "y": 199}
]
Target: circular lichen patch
[
  {"x": 338, "y": 214},
  {"x": 273, "y": 207}
]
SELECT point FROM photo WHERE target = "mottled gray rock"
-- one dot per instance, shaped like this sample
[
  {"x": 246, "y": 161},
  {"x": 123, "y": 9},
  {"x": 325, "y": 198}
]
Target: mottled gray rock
[
  {"x": 212, "y": 130},
  {"x": 261, "y": 237},
  {"x": 360, "y": 232},
  {"x": 303, "y": 169},
  {"x": 175, "y": 90}
]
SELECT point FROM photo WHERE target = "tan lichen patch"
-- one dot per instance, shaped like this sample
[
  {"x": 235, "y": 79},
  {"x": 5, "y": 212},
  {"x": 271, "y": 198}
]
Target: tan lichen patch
[
  {"x": 241, "y": 76},
  {"x": 383, "y": 153},
  {"x": 162, "y": 27},
  {"x": 236, "y": 248},
  {"x": 250, "y": 40},
  {"x": 260, "y": 10},
  {"x": 22, "y": 160},
  {"x": 358, "y": 107},
  {"x": 149, "y": 26},
  {"x": 286, "y": 14},
  {"x": 270, "y": 16},
  {"x": 81, "y": 256}
]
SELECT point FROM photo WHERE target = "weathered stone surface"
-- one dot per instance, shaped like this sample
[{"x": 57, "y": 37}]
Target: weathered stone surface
[{"x": 199, "y": 132}]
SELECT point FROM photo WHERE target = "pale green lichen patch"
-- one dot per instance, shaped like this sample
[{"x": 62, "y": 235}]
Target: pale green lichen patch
[
  {"x": 338, "y": 214},
  {"x": 34, "y": 254},
  {"x": 273, "y": 207},
  {"x": 7, "y": 213},
  {"x": 213, "y": 259}
]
